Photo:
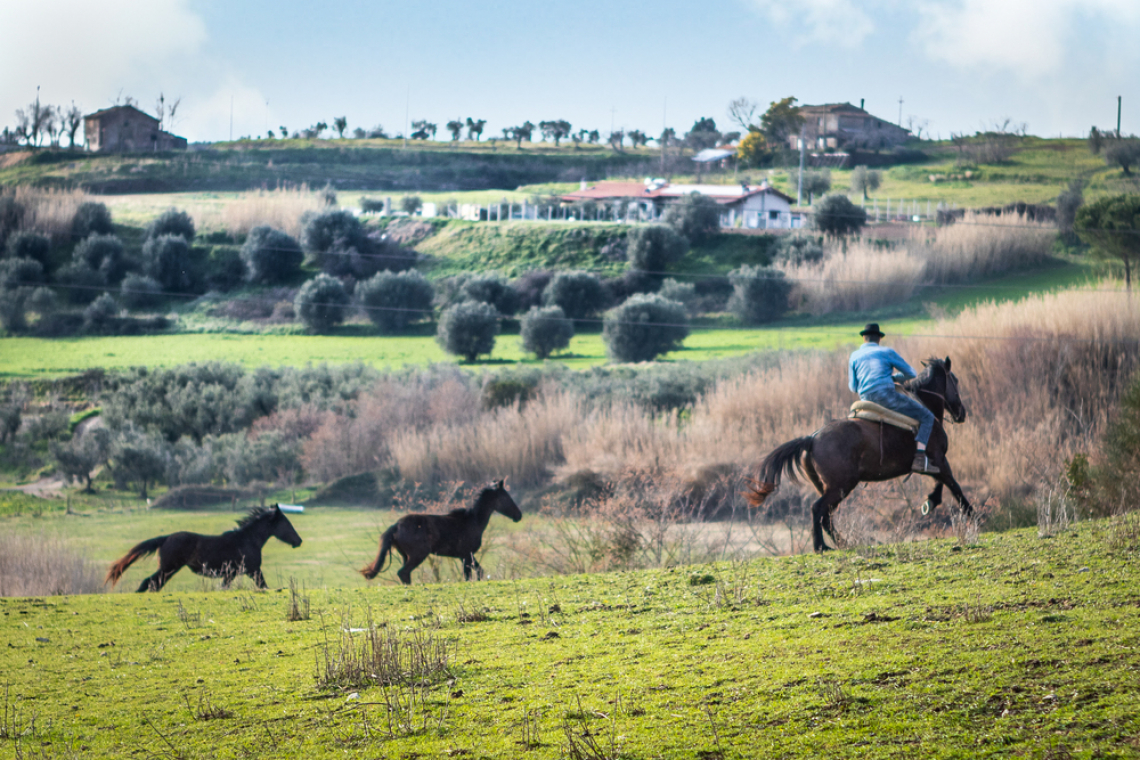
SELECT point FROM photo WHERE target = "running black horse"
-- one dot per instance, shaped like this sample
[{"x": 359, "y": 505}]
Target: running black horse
[
  {"x": 224, "y": 556},
  {"x": 844, "y": 453},
  {"x": 457, "y": 534}
]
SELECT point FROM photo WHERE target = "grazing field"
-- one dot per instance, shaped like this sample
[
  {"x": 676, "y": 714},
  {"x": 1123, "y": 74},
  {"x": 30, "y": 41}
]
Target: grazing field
[
  {"x": 1006, "y": 646},
  {"x": 38, "y": 357}
]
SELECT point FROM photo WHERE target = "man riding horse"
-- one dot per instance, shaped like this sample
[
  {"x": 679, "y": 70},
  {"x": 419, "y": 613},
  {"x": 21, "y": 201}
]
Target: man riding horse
[{"x": 871, "y": 375}]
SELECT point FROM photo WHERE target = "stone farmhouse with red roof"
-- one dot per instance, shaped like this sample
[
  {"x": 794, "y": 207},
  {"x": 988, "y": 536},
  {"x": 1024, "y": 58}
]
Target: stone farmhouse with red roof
[{"x": 126, "y": 129}]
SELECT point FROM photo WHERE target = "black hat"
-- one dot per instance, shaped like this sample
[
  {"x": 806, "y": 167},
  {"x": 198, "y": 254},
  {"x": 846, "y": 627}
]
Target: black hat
[{"x": 872, "y": 328}]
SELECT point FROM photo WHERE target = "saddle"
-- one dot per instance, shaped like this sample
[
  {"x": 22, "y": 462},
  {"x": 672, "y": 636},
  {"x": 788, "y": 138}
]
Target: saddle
[
  {"x": 876, "y": 414},
  {"x": 867, "y": 410}
]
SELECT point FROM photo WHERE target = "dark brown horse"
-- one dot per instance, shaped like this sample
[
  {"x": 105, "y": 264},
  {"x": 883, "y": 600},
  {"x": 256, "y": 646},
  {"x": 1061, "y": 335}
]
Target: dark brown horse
[
  {"x": 224, "y": 556},
  {"x": 457, "y": 534},
  {"x": 844, "y": 453}
]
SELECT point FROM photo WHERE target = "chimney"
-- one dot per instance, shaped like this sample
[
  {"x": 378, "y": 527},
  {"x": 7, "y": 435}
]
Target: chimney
[{"x": 860, "y": 104}]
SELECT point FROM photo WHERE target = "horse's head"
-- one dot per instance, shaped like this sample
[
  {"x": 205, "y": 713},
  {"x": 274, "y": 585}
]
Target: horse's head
[
  {"x": 502, "y": 501},
  {"x": 283, "y": 529},
  {"x": 944, "y": 383}
]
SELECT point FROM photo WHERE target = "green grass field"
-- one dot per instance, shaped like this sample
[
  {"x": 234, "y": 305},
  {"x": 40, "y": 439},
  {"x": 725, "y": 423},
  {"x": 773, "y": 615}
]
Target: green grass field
[
  {"x": 1012, "y": 646},
  {"x": 38, "y": 357}
]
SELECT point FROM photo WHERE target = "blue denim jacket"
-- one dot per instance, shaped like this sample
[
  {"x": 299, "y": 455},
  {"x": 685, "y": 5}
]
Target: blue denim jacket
[{"x": 870, "y": 369}]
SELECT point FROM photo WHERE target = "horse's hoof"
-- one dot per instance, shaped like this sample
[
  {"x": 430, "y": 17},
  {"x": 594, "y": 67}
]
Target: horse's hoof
[{"x": 927, "y": 506}]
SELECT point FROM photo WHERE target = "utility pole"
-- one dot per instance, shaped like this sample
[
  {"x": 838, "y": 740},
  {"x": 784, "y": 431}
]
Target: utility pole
[
  {"x": 407, "y": 109},
  {"x": 900, "y": 110},
  {"x": 231, "y": 118},
  {"x": 1118, "y": 99},
  {"x": 664, "y": 139}
]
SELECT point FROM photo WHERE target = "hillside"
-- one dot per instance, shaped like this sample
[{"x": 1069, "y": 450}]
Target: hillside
[{"x": 1011, "y": 645}]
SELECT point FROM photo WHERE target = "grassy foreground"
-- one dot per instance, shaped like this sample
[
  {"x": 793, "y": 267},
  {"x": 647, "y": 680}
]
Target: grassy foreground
[{"x": 1013, "y": 646}]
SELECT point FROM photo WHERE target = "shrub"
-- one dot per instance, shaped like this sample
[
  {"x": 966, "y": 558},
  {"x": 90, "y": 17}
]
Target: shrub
[
  {"x": 20, "y": 272},
  {"x": 82, "y": 284},
  {"x": 644, "y": 327},
  {"x": 493, "y": 289},
  {"x": 333, "y": 228},
  {"x": 104, "y": 254},
  {"x": 392, "y": 300},
  {"x": 795, "y": 250},
  {"x": 578, "y": 294},
  {"x": 168, "y": 259},
  {"x": 696, "y": 217},
  {"x": 1067, "y": 204},
  {"x": 546, "y": 330},
  {"x": 225, "y": 269},
  {"x": 1123, "y": 153},
  {"x": 760, "y": 294},
  {"x": 837, "y": 216},
  {"x": 172, "y": 222},
  {"x": 468, "y": 329},
  {"x": 321, "y": 303},
  {"x": 29, "y": 245},
  {"x": 139, "y": 291},
  {"x": 682, "y": 292},
  {"x": 653, "y": 247},
  {"x": 91, "y": 218},
  {"x": 411, "y": 203},
  {"x": 271, "y": 256},
  {"x": 42, "y": 301},
  {"x": 13, "y": 307},
  {"x": 100, "y": 312},
  {"x": 530, "y": 286}
]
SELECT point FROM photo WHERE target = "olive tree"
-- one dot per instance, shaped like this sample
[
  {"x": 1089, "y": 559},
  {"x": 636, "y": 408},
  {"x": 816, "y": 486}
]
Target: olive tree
[
  {"x": 578, "y": 294},
  {"x": 321, "y": 303},
  {"x": 653, "y": 247},
  {"x": 468, "y": 329},
  {"x": 1109, "y": 225},
  {"x": 391, "y": 300},
  {"x": 644, "y": 327},
  {"x": 545, "y": 330},
  {"x": 836, "y": 216},
  {"x": 696, "y": 217},
  {"x": 759, "y": 294},
  {"x": 271, "y": 256}
]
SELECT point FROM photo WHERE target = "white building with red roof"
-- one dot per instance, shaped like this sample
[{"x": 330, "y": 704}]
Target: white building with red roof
[{"x": 748, "y": 206}]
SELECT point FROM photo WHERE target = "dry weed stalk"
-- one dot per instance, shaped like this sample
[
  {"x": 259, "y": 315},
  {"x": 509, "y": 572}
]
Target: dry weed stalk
[
  {"x": 44, "y": 565},
  {"x": 281, "y": 208},
  {"x": 50, "y": 211}
]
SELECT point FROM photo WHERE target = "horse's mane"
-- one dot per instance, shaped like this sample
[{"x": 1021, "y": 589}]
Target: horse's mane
[
  {"x": 926, "y": 373},
  {"x": 474, "y": 508},
  {"x": 255, "y": 514}
]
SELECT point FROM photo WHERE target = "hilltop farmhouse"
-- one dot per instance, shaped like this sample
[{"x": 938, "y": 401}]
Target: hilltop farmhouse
[
  {"x": 748, "y": 206},
  {"x": 126, "y": 129},
  {"x": 844, "y": 126}
]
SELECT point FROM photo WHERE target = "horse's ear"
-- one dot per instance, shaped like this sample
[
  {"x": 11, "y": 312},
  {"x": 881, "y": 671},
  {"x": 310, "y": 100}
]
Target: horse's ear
[
  {"x": 947, "y": 363},
  {"x": 499, "y": 485},
  {"x": 925, "y": 363},
  {"x": 277, "y": 508}
]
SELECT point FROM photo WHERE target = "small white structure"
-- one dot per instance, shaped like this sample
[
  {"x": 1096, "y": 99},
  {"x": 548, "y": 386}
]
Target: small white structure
[{"x": 754, "y": 207}]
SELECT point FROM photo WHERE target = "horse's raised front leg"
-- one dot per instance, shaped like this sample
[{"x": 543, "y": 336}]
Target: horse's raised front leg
[
  {"x": 821, "y": 517},
  {"x": 946, "y": 476},
  {"x": 933, "y": 499}
]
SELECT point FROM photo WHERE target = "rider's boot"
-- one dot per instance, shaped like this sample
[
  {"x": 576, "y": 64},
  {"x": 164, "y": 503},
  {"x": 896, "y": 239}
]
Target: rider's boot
[{"x": 923, "y": 465}]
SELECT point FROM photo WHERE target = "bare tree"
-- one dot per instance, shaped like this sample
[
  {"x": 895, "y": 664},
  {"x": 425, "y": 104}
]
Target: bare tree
[
  {"x": 455, "y": 127},
  {"x": 340, "y": 123},
  {"x": 742, "y": 111},
  {"x": 73, "y": 119},
  {"x": 616, "y": 138},
  {"x": 32, "y": 121}
]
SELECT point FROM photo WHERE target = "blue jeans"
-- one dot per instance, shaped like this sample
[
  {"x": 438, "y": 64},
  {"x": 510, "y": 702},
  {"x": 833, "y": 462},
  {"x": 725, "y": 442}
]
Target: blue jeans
[{"x": 897, "y": 402}]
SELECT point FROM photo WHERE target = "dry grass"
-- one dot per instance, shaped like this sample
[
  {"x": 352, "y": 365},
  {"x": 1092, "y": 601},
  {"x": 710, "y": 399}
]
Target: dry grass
[
  {"x": 49, "y": 211},
  {"x": 281, "y": 208},
  {"x": 864, "y": 276},
  {"x": 1040, "y": 378},
  {"x": 43, "y": 566}
]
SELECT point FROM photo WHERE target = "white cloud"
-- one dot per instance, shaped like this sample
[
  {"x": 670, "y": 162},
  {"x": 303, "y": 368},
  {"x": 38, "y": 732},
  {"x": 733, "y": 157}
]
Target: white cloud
[
  {"x": 1031, "y": 38},
  {"x": 831, "y": 22},
  {"x": 94, "y": 52}
]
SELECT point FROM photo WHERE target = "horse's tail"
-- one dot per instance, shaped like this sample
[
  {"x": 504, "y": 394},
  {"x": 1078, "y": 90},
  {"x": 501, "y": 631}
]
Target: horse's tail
[
  {"x": 150, "y": 546},
  {"x": 785, "y": 459},
  {"x": 371, "y": 571}
]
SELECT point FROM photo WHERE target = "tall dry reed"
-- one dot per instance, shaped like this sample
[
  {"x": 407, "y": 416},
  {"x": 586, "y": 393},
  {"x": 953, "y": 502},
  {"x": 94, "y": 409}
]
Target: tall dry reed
[
  {"x": 281, "y": 208},
  {"x": 50, "y": 211},
  {"x": 865, "y": 276},
  {"x": 43, "y": 566}
]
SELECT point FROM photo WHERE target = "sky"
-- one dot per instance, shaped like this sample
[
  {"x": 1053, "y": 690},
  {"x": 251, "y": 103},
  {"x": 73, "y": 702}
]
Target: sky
[{"x": 241, "y": 67}]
